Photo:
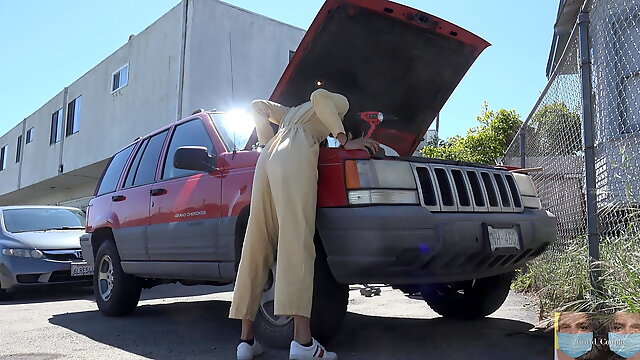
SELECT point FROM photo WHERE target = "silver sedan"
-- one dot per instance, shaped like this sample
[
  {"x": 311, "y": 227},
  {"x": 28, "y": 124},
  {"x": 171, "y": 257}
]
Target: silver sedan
[{"x": 40, "y": 245}]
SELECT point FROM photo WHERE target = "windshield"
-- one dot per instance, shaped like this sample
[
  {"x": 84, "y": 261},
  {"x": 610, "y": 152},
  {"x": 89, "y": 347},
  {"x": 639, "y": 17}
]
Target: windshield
[
  {"x": 41, "y": 219},
  {"x": 235, "y": 128}
]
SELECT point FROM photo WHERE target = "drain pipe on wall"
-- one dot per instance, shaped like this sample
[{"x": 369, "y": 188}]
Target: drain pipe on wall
[
  {"x": 593, "y": 236},
  {"x": 63, "y": 126},
  {"x": 183, "y": 51}
]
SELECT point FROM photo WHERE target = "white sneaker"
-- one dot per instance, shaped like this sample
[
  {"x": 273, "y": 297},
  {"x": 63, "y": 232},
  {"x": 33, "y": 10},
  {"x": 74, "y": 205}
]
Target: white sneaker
[
  {"x": 248, "y": 352},
  {"x": 315, "y": 351}
]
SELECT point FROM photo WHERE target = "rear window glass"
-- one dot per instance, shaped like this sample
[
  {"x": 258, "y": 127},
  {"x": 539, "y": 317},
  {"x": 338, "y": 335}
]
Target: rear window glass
[
  {"x": 42, "y": 219},
  {"x": 128, "y": 182},
  {"x": 111, "y": 175},
  {"x": 143, "y": 167}
]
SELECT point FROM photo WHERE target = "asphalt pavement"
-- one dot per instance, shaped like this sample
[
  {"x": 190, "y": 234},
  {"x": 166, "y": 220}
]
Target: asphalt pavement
[{"x": 180, "y": 322}]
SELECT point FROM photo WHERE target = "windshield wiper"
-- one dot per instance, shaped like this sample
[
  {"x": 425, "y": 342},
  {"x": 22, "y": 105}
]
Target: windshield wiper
[
  {"x": 49, "y": 229},
  {"x": 67, "y": 228}
]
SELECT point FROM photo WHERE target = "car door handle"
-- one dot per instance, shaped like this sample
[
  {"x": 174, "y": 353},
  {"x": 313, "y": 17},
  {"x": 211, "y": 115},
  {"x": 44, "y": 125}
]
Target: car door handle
[
  {"x": 157, "y": 192},
  {"x": 117, "y": 198}
]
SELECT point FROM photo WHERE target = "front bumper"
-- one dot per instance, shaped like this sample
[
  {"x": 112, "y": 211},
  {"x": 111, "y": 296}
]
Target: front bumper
[
  {"x": 18, "y": 272},
  {"x": 411, "y": 245},
  {"x": 87, "y": 249}
]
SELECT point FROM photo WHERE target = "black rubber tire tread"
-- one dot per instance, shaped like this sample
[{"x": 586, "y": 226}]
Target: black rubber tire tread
[
  {"x": 482, "y": 299},
  {"x": 330, "y": 301},
  {"x": 126, "y": 288}
]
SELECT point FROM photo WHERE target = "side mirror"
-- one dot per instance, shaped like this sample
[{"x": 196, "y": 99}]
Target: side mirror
[{"x": 194, "y": 158}]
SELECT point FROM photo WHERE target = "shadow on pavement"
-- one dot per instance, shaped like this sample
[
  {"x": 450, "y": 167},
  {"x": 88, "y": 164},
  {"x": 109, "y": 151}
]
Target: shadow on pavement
[
  {"x": 49, "y": 293},
  {"x": 52, "y": 293},
  {"x": 202, "y": 330}
]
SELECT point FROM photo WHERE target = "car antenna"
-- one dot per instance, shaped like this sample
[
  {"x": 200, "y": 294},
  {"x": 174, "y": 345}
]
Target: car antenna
[{"x": 235, "y": 147}]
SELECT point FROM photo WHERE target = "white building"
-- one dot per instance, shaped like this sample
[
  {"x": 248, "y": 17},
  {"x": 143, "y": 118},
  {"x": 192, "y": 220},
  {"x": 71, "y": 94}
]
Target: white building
[
  {"x": 614, "y": 33},
  {"x": 201, "y": 54}
]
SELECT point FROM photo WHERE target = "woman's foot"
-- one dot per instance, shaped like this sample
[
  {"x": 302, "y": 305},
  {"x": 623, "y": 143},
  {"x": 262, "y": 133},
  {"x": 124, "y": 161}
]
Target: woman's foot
[
  {"x": 247, "y": 350},
  {"x": 315, "y": 351}
]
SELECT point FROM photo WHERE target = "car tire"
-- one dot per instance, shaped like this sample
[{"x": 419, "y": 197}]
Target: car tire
[
  {"x": 330, "y": 301},
  {"x": 468, "y": 299},
  {"x": 4, "y": 294},
  {"x": 116, "y": 293}
]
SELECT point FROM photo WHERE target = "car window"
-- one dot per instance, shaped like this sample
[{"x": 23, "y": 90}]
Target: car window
[
  {"x": 192, "y": 133},
  {"x": 143, "y": 168},
  {"x": 235, "y": 128},
  {"x": 128, "y": 182},
  {"x": 42, "y": 219},
  {"x": 112, "y": 173}
]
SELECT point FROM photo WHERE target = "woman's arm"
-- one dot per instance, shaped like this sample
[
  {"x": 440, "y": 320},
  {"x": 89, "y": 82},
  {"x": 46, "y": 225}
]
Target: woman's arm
[
  {"x": 265, "y": 111},
  {"x": 330, "y": 109}
]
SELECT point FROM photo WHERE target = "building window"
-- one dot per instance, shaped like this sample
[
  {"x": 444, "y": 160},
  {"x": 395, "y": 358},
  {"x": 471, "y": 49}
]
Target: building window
[
  {"x": 120, "y": 78},
  {"x": 30, "y": 135},
  {"x": 3, "y": 157},
  {"x": 56, "y": 127},
  {"x": 73, "y": 116},
  {"x": 19, "y": 149}
]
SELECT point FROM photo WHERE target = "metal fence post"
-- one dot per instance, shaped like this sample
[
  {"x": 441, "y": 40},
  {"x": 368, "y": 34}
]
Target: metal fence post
[
  {"x": 523, "y": 149},
  {"x": 589, "y": 151}
]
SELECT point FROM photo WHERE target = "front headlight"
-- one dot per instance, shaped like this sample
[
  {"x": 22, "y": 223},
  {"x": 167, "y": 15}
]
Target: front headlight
[
  {"x": 380, "y": 182},
  {"x": 36, "y": 254},
  {"x": 386, "y": 174}
]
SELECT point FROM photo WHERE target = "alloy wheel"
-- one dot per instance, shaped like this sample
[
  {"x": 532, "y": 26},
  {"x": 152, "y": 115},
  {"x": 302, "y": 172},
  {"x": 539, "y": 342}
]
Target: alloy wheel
[{"x": 105, "y": 277}]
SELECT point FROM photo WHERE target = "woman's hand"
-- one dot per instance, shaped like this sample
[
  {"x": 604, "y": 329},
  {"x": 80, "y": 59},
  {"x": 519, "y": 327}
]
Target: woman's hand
[{"x": 367, "y": 144}]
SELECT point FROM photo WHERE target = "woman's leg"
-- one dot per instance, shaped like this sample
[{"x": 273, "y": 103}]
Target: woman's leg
[
  {"x": 257, "y": 251},
  {"x": 302, "y": 329},
  {"x": 293, "y": 174},
  {"x": 247, "y": 329}
]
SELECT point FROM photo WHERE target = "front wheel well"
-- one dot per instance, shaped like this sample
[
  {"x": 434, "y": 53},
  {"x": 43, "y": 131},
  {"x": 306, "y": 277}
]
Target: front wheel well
[{"x": 99, "y": 236}]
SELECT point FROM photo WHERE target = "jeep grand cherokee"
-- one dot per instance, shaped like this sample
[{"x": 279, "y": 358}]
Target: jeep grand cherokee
[{"x": 173, "y": 206}]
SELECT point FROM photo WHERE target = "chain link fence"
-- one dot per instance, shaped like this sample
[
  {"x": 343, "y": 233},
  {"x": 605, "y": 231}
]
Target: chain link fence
[
  {"x": 553, "y": 133},
  {"x": 553, "y": 141},
  {"x": 615, "y": 39}
]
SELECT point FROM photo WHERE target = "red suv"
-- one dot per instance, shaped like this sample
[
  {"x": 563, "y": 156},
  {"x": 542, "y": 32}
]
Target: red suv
[{"x": 173, "y": 206}]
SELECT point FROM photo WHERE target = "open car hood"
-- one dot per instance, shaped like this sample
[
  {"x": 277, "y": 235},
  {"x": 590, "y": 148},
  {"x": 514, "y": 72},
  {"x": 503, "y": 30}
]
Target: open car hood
[{"x": 383, "y": 57}]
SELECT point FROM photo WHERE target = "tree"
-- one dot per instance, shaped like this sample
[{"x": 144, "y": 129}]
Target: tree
[
  {"x": 482, "y": 144},
  {"x": 557, "y": 129}
]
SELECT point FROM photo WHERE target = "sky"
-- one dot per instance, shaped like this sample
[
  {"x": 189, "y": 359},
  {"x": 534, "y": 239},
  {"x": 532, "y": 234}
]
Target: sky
[{"x": 46, "y": 45}]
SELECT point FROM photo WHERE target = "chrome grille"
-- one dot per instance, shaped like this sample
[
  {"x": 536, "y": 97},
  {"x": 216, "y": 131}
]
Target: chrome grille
[
  {"x": 63, "y": 255},
  {"x": 449, "y": 188}
]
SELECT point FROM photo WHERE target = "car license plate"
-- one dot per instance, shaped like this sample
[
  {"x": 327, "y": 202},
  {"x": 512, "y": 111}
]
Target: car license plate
[
  {"x": 81, "y": 269},
  {"x": 504, "y": 238}
]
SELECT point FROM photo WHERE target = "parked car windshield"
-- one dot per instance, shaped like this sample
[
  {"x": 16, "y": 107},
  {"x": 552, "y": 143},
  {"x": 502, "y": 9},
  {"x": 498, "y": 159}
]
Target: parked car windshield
[
  {"x": 235, "y": 127},
  {"x": 42, "y": 219}
]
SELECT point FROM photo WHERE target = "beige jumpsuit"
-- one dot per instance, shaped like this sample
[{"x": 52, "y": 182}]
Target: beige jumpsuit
[{"x": 283, "y": 204}]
